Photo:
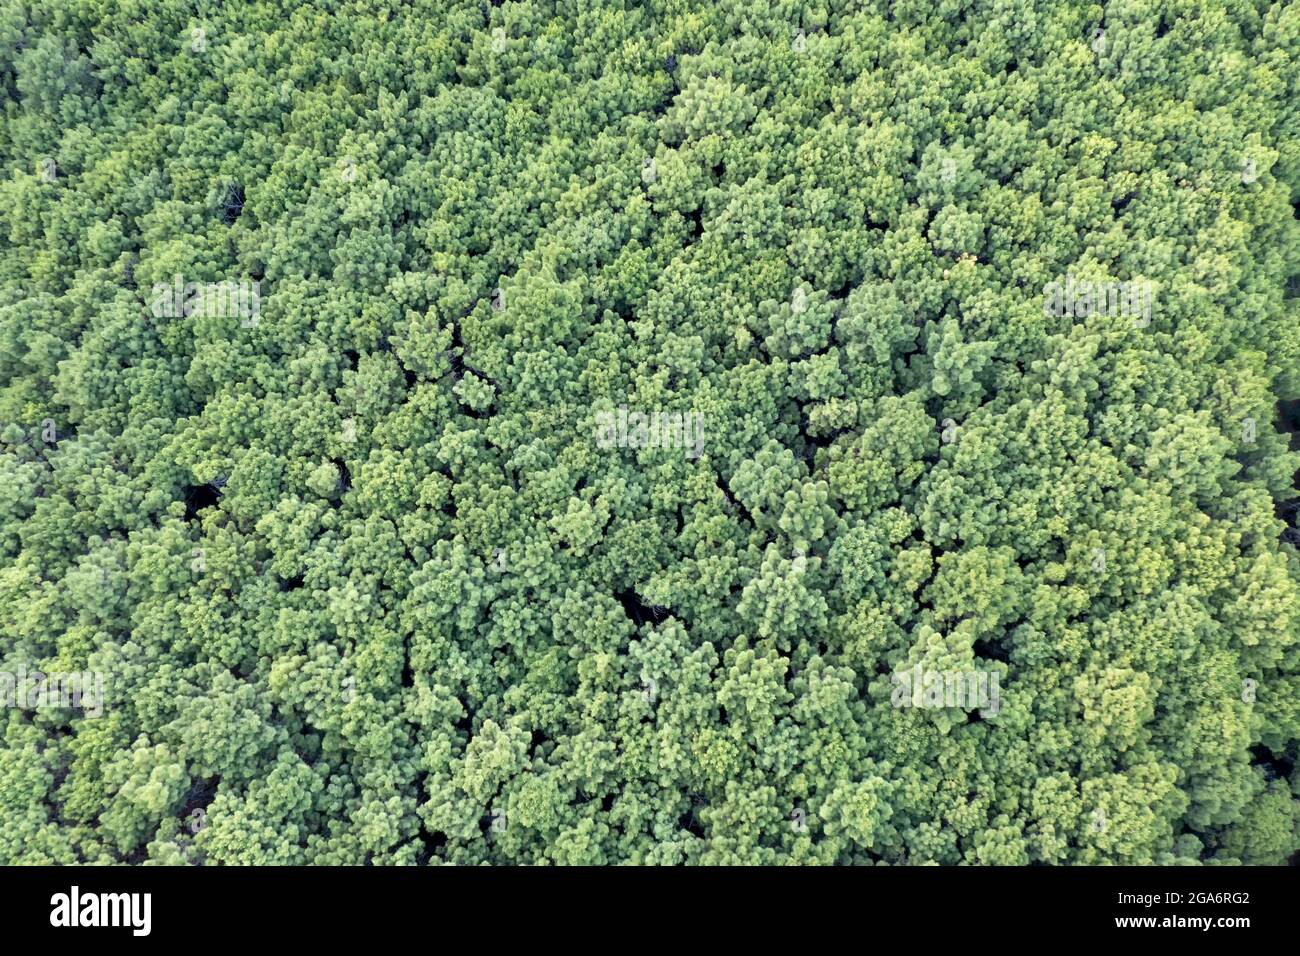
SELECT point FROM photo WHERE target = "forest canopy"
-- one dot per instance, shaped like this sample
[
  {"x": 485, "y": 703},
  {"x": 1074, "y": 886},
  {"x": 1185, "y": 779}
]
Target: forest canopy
[{"x": 668, "y": 433}]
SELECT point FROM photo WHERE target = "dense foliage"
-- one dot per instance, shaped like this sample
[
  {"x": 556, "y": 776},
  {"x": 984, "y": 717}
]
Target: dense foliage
[{"x": 370, "y": 576}]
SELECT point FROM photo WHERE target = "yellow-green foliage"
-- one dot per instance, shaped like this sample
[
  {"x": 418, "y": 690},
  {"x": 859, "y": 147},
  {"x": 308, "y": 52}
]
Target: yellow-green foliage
[{"x": 367, "y": 578}]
